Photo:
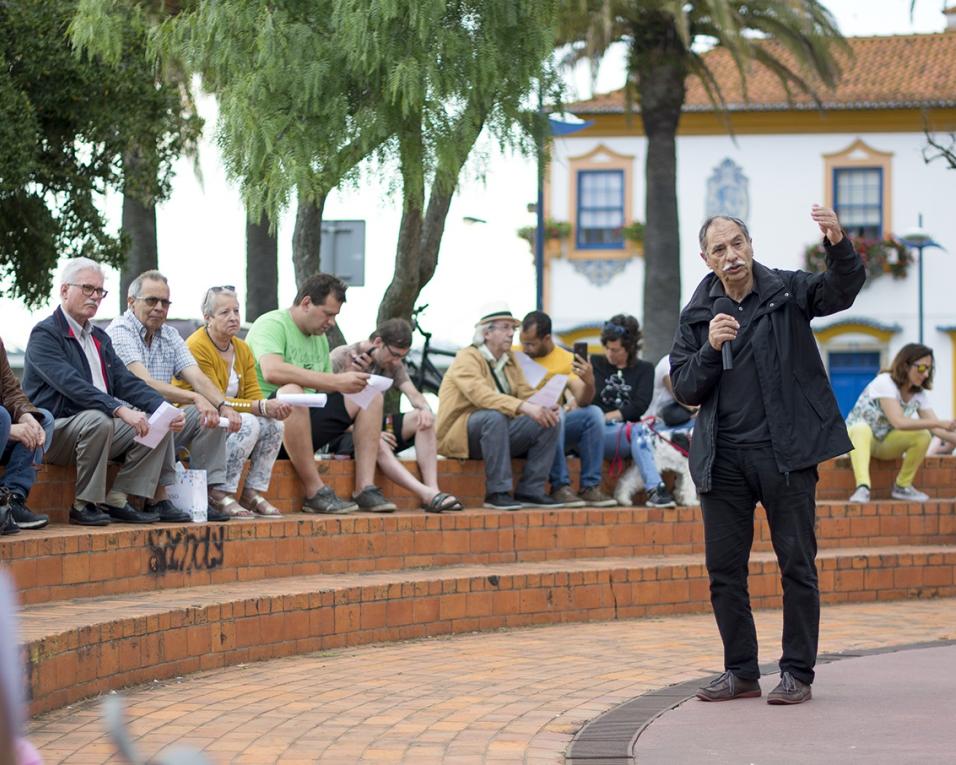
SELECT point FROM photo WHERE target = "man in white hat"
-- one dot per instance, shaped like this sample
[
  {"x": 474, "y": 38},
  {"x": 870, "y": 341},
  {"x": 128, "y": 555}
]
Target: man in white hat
[{"x": 483, "y": 414}]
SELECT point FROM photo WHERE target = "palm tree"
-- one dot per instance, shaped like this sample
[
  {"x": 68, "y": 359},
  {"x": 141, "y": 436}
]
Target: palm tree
[{"x": 791, "y": 38}]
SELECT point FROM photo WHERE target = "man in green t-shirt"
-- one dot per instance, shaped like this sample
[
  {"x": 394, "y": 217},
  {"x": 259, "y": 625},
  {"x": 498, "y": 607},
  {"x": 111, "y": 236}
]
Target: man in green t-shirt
[{"x": 292, "y": 356}]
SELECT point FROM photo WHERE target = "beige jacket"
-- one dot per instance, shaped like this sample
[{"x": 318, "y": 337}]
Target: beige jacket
[{"x": 467, "y": 387}]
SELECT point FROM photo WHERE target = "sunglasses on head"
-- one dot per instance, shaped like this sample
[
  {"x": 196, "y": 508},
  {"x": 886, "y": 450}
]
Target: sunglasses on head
[
  {"x": 223, "y": 288},
  {"x": 615, "y": 329},
  {"x": 923, "y": 368}
]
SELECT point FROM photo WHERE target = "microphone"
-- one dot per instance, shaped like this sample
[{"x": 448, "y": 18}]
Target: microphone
[{"x": 725, "y": 305}]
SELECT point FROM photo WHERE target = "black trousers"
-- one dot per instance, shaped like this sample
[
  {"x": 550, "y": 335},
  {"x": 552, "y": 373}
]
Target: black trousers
[{"x": 741, "y": 477}]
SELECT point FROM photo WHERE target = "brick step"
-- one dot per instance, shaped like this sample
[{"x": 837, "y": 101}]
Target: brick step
[
  {"x": 53, "y": 492},
  {"x": 84, "y": 647},
  {"x": 62, "y": 562},
  {"x": 936, "y": 477}
]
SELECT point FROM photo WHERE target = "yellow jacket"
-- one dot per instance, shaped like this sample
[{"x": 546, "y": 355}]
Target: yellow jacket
[
  {"x": 467, "y": 387},
  {"x": 214, "y": 367}
]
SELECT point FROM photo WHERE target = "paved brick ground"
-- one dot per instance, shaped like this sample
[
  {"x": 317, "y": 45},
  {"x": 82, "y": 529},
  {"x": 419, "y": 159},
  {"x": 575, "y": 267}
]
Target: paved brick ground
[{"x": 511, "y": 696}]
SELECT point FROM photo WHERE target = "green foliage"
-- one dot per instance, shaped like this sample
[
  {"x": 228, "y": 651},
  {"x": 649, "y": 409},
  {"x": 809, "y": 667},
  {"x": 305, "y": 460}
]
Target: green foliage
[
  {"x": 309, "y": 88},
  {"x": 66, "y": 122},
  {"x": 879, "y": 256},
  {"x": 553, "y": 229}
]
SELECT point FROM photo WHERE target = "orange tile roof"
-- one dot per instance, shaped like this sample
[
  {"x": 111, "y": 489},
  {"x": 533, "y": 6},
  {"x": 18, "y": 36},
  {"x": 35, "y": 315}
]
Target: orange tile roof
[{"x": 900, "y": 71}]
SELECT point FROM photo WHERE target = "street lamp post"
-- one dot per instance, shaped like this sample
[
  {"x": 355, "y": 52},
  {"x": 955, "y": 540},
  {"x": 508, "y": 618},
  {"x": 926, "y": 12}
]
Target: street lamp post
[{"x": 919, "y": 239}]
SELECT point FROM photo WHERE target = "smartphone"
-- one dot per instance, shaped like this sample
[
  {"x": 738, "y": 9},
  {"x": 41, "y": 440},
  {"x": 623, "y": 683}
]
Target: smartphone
[{"x": 581, "y": 349}]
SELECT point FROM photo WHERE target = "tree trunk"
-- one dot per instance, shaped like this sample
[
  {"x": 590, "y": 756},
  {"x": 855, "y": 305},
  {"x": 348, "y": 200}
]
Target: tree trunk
[
  {"x": 139, "y": 226},
  {"x": 306, "y": 251},
  {"x": 419, "y": 238},
  {"x": 658, "y": 55},
  {"x": 262, "y": 269},
  {"x": 400, "y": 295},
  {"x": 307, "y": 239}
]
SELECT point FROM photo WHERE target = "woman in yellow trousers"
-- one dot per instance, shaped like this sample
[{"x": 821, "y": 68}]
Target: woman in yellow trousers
[{"x": 893, "y": 418}]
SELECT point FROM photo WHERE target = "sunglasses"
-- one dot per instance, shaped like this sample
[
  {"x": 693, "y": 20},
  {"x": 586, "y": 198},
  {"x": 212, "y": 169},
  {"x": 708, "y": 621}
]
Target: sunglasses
[
  {"x": 223, "y": 288},
  {"x": 152, "y": 302},
  {"x": 89, "y": 290},
  {"x": 615, "y": 330},
  {"x": 923, "y": 368}
]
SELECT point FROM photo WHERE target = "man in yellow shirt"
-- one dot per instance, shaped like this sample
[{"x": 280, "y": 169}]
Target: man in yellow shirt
[{"x": 582, "y": 424}]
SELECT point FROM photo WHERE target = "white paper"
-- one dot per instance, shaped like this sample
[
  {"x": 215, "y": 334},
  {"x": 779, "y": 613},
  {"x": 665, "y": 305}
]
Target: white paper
[
  {"x": 314, "y": 400},
  {"x": 158, "y": 425},
  {"x": 549, "y": 395},
  {"x": 533, "y": 371},
  {"x": 376, "y": 384}
]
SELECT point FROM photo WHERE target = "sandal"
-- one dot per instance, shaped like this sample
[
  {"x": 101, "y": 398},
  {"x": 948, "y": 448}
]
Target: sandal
[
  {"x": 443, "y": 502},
  {"x": 259, "y": 505},
  {"x": 230, "y": 507}
]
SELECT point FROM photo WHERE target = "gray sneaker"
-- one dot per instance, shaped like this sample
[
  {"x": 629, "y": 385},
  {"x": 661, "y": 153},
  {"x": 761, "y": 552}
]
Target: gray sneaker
[
  {"x": 594, "y": 497},
  {"x": 326, "y": 502},
  {"x": 908, "y": 494},
  {"x": 371, "y": 500},
  {"x": 861, "y": 495}
]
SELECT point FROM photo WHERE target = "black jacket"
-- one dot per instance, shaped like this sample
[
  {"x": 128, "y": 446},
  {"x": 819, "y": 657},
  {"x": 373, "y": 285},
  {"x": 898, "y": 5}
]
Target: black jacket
[
  {"x": 802, "y": 415},
  {"x": 57, "y": 377}
]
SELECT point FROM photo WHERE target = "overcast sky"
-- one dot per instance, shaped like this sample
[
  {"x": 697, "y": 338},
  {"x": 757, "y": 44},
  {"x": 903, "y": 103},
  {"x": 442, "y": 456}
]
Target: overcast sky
[{"x": 201, "y": 228}]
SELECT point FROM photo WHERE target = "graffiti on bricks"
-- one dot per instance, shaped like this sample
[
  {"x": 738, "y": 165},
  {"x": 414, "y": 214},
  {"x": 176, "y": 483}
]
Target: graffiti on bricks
[{"x": 186, "y": 549}]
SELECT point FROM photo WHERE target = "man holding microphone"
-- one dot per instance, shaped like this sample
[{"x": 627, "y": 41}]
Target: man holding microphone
[{"x": 745, "y": 353}]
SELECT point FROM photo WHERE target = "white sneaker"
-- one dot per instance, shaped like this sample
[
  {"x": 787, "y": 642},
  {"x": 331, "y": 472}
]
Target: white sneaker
[
  {"x": 861, "y": 495},
  {"x": 908, "y": 493}
]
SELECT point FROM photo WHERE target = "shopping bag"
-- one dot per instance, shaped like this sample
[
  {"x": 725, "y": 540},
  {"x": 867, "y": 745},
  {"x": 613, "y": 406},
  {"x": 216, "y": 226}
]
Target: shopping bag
[{"x": 189, "y": 492}]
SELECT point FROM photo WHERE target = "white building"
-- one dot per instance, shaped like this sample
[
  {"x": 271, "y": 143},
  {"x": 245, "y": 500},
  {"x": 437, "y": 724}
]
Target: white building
[{"x": 862, "y": 154}]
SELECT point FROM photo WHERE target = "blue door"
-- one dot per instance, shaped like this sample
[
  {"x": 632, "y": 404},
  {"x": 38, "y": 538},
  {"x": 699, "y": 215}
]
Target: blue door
[{"x": 850, "y": 371}]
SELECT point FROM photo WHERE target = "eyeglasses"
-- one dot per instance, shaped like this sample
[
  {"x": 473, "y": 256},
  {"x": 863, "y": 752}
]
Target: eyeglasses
[
  {"x": 89, "y": 290},
  {"x": 223, "y": 288},
  {"x": 152, "y": 302},
  {"x": 615, "y": 329},
  {"x": 398, "y": 355},
  {"x": 923, "y": 368}
]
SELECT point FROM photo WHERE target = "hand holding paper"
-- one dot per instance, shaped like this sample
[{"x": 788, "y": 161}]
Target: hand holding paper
[
  {"x": 376, "y": 384},
  {"x": 159, "y": 422}
]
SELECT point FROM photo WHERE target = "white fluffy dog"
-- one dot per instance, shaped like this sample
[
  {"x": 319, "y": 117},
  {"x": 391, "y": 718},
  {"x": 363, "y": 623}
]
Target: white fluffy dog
[{"x": 667, "y": 458}]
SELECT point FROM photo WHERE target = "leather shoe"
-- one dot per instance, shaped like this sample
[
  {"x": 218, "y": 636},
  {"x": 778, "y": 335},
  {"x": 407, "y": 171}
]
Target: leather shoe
[
  {"x": 213, "y": 513},
  {"x": 168, "y": 512},
  {"x": 129, "y": 514},
  {"x": 90, "y": 515},
  {"x": 24, "y": 516},
  {"x": 728, "y": 686},
  {"x": 789, "y": 691}
]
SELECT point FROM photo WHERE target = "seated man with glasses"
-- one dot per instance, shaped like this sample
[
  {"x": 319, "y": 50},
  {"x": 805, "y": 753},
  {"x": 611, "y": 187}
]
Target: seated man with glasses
[
  {"x": 71, "y": 370},
  {"x": 292, "y": 356},
  {"x": 383, "y": 354},
  {"x": 483, "y": 414},
  {"x": 156, "y": 353}
]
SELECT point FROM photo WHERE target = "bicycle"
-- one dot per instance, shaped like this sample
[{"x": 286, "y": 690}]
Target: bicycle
[{"x": 423, "y": 373}]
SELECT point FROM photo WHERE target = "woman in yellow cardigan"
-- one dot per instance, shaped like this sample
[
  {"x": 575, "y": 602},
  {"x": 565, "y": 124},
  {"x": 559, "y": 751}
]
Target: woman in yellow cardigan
[{"x": 229, "y": 363}]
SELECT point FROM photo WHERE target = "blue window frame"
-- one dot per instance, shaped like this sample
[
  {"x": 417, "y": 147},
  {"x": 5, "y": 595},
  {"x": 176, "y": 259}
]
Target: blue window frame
[
  {"x": 600, "y": 214},
  {"x": 858, "y": 200}
]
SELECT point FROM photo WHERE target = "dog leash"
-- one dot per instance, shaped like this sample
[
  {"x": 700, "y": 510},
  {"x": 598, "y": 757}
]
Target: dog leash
[{"x": 649, "y": 421}]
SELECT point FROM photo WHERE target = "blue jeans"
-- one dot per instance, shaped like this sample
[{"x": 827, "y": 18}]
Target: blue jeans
[
  {"x": 20, "y": 473},
  {"x": 638, "y": 448},
  {"x": 580, "y": 429}
]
